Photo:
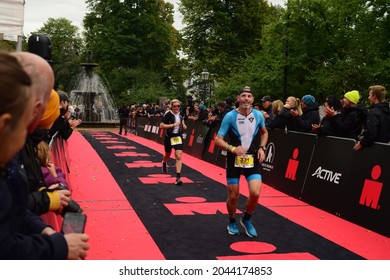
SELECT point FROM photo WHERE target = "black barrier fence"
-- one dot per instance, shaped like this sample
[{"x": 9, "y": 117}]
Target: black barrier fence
[{"x": 324, "y": 172}]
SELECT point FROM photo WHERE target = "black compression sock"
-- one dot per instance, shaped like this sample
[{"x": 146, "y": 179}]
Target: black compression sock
[{"x": 247, "y": 216}]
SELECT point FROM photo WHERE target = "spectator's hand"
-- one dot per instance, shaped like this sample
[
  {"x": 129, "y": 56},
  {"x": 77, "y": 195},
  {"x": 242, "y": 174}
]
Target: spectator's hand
[
  {"x": 265, "y": 114},
  {"x": 294, "y": 113},
  {"x": 358, "y": 146},
  {"x": 330, "y": 112},
  {"x": 77, "y": 245},
  {"x": 64, "y": 197},
  {"x": 74, "y": 123},
  {"x": 184, "y": 127},
  {"x": 52, "y": 169},
  {"x": 315, "y": 127},
  {"x": 54, "y": 186}
]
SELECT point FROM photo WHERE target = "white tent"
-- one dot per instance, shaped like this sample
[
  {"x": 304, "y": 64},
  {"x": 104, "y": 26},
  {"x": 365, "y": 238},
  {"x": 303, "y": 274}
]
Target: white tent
[{"x": 11, "y": 19}]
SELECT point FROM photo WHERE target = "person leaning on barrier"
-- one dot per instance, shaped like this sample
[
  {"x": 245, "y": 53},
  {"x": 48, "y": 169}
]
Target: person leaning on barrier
[
  {"x": 43, "y": 197},
  {"x": 246, "y": 150},
  {"x": 277, "y": 106},
  {"x": 216, "y": 117},
  {"x": 350, "y": 123},
  {"x": 327, "y": 127},
  {"x": 53, "y": 176},
  {"x": 228, "y": 106},
  {"x": 287, "y": 116},
  {"x": 266, "y": 106},
  {"x": 377, "y": 128},
  {"x": 63, "y": 126},
  {"x": 310, "y": 113},
  {"x": 23, "y": 235}
]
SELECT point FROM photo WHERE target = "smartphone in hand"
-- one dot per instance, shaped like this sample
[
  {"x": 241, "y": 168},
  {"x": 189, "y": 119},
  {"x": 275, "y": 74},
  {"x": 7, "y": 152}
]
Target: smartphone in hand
[{"x": 74, "y": 223}]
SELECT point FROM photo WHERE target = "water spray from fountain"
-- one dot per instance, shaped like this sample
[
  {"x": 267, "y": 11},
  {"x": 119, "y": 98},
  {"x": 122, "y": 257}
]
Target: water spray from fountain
[{"x": 91, "y": 99}]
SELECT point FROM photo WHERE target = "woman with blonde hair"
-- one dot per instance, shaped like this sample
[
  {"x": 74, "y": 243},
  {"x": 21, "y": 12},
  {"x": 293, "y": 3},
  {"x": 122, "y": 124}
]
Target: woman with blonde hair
[
  {"x": 277, "y": 106},
  {"x": 287, "y": 116}
]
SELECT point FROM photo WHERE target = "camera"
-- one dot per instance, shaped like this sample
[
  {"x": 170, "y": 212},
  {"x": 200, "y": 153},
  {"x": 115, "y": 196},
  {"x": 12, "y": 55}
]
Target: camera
[{"x": 73, "y": 206}]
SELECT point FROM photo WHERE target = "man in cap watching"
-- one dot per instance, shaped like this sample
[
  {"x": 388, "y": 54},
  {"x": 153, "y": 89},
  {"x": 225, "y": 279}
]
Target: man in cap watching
[{"x": 266, "y": 105}]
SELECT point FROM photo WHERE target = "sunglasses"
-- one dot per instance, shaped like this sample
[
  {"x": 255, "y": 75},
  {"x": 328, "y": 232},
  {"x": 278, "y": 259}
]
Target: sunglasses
[{"x": 176, "y": 106}]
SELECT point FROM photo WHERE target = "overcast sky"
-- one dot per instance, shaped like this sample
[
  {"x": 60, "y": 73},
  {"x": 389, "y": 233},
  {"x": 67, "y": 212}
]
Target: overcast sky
[{"x": 37, "y": 12}]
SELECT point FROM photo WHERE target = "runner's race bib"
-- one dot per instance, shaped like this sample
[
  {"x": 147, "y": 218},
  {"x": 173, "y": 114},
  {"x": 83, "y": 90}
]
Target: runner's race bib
[
  {"x": 245, "y": 161},
  {"x": 176, "y": 141}
]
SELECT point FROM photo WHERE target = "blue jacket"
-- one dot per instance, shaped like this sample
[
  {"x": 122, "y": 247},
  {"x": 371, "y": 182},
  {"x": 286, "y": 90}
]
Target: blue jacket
[{"x": 20, "y": 230}]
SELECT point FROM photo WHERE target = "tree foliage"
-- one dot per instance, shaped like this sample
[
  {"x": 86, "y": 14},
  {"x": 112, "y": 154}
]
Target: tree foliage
[
  {"x": 133, "y": 35},
  {"x": 219, "y": 35},
  {"x": 325, "y": 46}
]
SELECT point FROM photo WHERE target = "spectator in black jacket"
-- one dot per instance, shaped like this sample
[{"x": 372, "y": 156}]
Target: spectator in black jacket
[
  {"x": 64, "y": 124},
  {"x": 287, "y": 118},
  {"x": 266, "y": 106},
  {"x": 310, "y": 114},
  {"x": 377, "y": 128},
  {"x": 327, "y": 127},
  {"x": 228, "y": 106},
  {"x": 349, "y": 124}
]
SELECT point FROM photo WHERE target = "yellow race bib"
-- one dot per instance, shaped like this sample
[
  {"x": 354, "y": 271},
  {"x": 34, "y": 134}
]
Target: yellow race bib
[
  {"x": 245, "y": 161},
  {"x": 176, "y": 141}
]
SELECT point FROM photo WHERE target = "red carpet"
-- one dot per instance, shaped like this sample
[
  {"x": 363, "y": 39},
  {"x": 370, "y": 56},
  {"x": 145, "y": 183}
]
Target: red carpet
[
  {"x": 116, "y": 231},
  {"x": 114, "y": 228}
]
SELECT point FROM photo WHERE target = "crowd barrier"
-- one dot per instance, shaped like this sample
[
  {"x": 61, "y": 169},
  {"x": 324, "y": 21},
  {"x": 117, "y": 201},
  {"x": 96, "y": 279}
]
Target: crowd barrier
[
  {"x": 58, "y": 149},
  {"x": 324, "y": 172}
]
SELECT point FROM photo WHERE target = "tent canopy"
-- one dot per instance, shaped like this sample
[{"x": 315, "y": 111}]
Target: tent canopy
[{"x": 11, "y": 19}]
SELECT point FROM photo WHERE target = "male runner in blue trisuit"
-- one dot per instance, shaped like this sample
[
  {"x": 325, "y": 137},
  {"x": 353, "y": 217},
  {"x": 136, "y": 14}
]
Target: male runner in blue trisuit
[{"x": 248, "y": 138}]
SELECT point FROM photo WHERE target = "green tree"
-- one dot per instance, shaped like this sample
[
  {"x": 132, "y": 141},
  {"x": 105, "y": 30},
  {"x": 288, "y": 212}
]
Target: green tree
[
  {"x": 133, "y": 35},
  {"x": 321, "y": 47},
  {"x": 219, "y": 35},
  {"x": 66, "y": 46}
]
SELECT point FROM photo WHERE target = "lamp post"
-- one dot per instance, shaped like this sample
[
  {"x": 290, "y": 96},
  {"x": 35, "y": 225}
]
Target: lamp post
[{"x": 205, "y": 77}]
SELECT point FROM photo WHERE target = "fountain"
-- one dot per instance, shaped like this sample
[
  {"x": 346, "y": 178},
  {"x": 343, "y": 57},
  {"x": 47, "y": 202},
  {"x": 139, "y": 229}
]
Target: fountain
[{"x": 91, "y": 100}]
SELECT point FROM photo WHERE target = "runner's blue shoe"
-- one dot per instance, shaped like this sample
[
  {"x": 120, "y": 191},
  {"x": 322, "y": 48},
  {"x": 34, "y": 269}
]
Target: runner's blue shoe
[
  {"x": 232, "y": 229},
  {"x": 249, "y": 229}
]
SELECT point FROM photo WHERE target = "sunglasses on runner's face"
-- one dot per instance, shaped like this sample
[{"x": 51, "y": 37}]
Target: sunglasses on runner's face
[{"x": 176, "y": 106}]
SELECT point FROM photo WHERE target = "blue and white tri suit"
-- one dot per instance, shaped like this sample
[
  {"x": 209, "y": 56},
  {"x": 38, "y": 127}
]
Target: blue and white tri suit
[{"x": 242, "y": 131}]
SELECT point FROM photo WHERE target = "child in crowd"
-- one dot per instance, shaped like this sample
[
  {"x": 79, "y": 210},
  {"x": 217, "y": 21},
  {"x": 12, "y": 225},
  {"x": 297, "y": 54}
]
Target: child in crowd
[{"x": 51, "y": 173}]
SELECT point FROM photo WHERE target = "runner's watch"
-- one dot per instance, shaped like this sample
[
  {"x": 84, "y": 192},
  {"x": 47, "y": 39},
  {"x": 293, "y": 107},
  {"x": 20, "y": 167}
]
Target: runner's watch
[{"x": 263, "y": 148}]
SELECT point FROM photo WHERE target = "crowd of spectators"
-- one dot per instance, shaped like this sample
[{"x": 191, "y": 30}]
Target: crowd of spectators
[{"x": 345, "y": 117}]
